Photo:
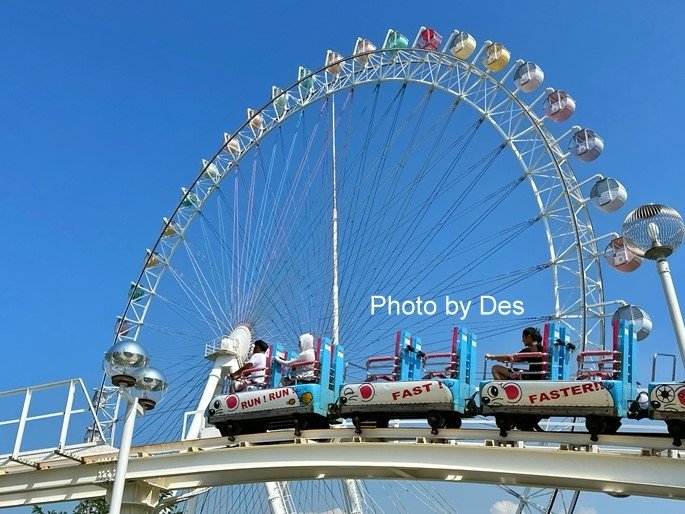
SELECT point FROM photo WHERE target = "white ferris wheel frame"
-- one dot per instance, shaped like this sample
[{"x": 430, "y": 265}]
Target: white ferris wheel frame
[
  {"x": 577, "y": 290},
  {"x": 578, "y": 295}
]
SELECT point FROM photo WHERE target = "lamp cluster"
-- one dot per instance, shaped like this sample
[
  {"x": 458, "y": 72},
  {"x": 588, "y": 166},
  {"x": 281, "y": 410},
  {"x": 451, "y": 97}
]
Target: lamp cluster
[{"x": 127, "y": 365}]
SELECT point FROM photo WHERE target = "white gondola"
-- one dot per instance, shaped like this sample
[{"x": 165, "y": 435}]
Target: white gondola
[
  {"x": 306, "y": 79},
  {"x": 190, "y": 199},
  {"x": 642, "y": 323},
  {"x": 280, "y": 100},
  {"x": 586, "y": 145},
  {"x": 559, "y": 106},
  {"x": 528, "y": 77},
  {"x": 122, "y": 327},
  {"x": 619, "y": 257},
  {"x": 608, "y": 194},
  {"x": 152, "y": 259},
  {"x": 171, "y": 229}
]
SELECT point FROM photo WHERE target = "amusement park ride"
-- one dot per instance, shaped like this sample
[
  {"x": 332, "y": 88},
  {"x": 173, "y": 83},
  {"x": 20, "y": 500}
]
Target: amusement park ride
[{"x": 478, "y": 429}]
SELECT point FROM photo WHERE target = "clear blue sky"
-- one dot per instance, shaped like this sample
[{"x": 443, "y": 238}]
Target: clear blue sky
[{"x": 105, "y": 112}]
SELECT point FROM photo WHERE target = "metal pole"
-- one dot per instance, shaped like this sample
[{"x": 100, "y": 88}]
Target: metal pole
[
  {"x": 122, "y": 460},
  {"x": 352, "y": 496},
  {"x": 672, "y": 303},
  {"x": 275, "y": 498},
  {"x": 335, "y": 292}
]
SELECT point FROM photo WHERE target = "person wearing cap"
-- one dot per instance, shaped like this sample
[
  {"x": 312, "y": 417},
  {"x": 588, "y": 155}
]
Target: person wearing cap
[
  {"x": 302, "y": 365},
  {"x": 255, "y": 379}
]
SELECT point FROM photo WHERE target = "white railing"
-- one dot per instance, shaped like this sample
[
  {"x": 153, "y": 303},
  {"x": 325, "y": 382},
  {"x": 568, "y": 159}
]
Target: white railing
[{"x": 35, "y": 412}]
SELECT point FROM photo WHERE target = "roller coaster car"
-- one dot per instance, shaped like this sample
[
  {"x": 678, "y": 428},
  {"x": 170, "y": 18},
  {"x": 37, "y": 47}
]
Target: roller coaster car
[
  {"x": 299, "y": 406},
  {"x": 604, "y": 391},
  {"x": 667, "y": 402},
  {"x": 411, "y": 384}
]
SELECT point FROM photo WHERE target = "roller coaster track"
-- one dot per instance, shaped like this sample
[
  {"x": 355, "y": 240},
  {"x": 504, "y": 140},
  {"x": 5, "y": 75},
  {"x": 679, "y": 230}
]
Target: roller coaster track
[{"x": 624, "y": 464}]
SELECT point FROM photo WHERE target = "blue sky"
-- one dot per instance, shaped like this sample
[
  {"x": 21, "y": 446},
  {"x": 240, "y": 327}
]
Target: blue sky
[{"x": 105, "y": 112}]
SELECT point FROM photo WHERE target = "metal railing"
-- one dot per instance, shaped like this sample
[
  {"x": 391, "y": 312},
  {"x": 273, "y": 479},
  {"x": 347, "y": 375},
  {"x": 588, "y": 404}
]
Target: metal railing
[{"x": 29, "y": 397}]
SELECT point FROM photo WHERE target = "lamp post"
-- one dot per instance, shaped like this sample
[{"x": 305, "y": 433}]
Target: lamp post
[
  {"x": 126, "y": 363},
  {"x": 655, "y": 231}
]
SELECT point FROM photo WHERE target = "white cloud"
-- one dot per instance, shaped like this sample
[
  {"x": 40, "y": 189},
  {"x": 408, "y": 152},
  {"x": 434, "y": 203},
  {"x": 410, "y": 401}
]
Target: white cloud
[
  {"x": 586, "y": 510},
  {"x": 506, "y": 507}
]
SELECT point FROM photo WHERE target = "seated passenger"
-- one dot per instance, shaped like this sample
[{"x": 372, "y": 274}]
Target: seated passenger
[
  {"x": 532, "y": 339},
  {"x": 253, "y": 380},
  {"x": 304, "y": 373}
]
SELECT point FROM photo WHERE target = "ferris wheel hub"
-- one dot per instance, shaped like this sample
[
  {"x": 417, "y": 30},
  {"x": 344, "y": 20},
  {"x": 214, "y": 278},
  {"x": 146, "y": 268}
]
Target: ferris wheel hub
[{"x": 232, "y": 350}]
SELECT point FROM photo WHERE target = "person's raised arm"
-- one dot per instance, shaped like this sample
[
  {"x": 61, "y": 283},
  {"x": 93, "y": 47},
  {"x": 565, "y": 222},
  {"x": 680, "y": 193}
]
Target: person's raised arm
[
  {"x": 300, "y": 357},
  {"x": 503, "y": 357}
]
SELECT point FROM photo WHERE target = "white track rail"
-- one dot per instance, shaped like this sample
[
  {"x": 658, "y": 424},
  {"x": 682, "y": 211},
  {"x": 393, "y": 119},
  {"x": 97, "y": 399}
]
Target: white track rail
[{"x": 631, "y": 464}]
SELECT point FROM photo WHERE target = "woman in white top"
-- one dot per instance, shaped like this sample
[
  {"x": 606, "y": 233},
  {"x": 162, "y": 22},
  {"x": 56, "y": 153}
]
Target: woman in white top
[{"x": 304, "y": 373}]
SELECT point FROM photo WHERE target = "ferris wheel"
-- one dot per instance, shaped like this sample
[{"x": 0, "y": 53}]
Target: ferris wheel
[{"x": 415, "y": 185}]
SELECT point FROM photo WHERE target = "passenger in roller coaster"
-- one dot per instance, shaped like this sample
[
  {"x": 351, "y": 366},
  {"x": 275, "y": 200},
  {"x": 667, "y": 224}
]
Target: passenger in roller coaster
[
  {"x": 302, "y": 365},
  {"x": 532, "y": 339},
  {"x": 255, "y": 379}
]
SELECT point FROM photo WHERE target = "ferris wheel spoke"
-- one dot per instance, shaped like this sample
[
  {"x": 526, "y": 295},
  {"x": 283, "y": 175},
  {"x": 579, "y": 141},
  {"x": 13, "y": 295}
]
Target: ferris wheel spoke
[
  {"x": 359, "y": 250},
  {"x": 449, "y": 213},
  {"x": 378, "y": 165},
  {"x": 208, "y": 302},
  {"x": 200, "y": 310},
  {"x": 405, "y": 195},
  {"x": 213, "y": 290},
  {"x": 408, "y": 283},
  {"x": 496, "y": 246},
  {"x": 224, "y": 258}
]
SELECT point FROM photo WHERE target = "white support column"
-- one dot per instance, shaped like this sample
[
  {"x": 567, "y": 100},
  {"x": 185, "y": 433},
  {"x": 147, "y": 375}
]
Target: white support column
[
  {"x": 233, "y": 348},
  {"x": 353, "y": 497},
  {"x": 673, "y": 306},
  {"x": 122, "y": 459},
  {"x": 220, "y": 362},
  {"x": 275, "y": 496}
]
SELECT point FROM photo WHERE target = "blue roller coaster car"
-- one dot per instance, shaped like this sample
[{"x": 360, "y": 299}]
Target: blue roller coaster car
[
  {"x": 272, "y": 406},
  {"x": 413, "y": 384},
  {"x": 604, "y": 392}
]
